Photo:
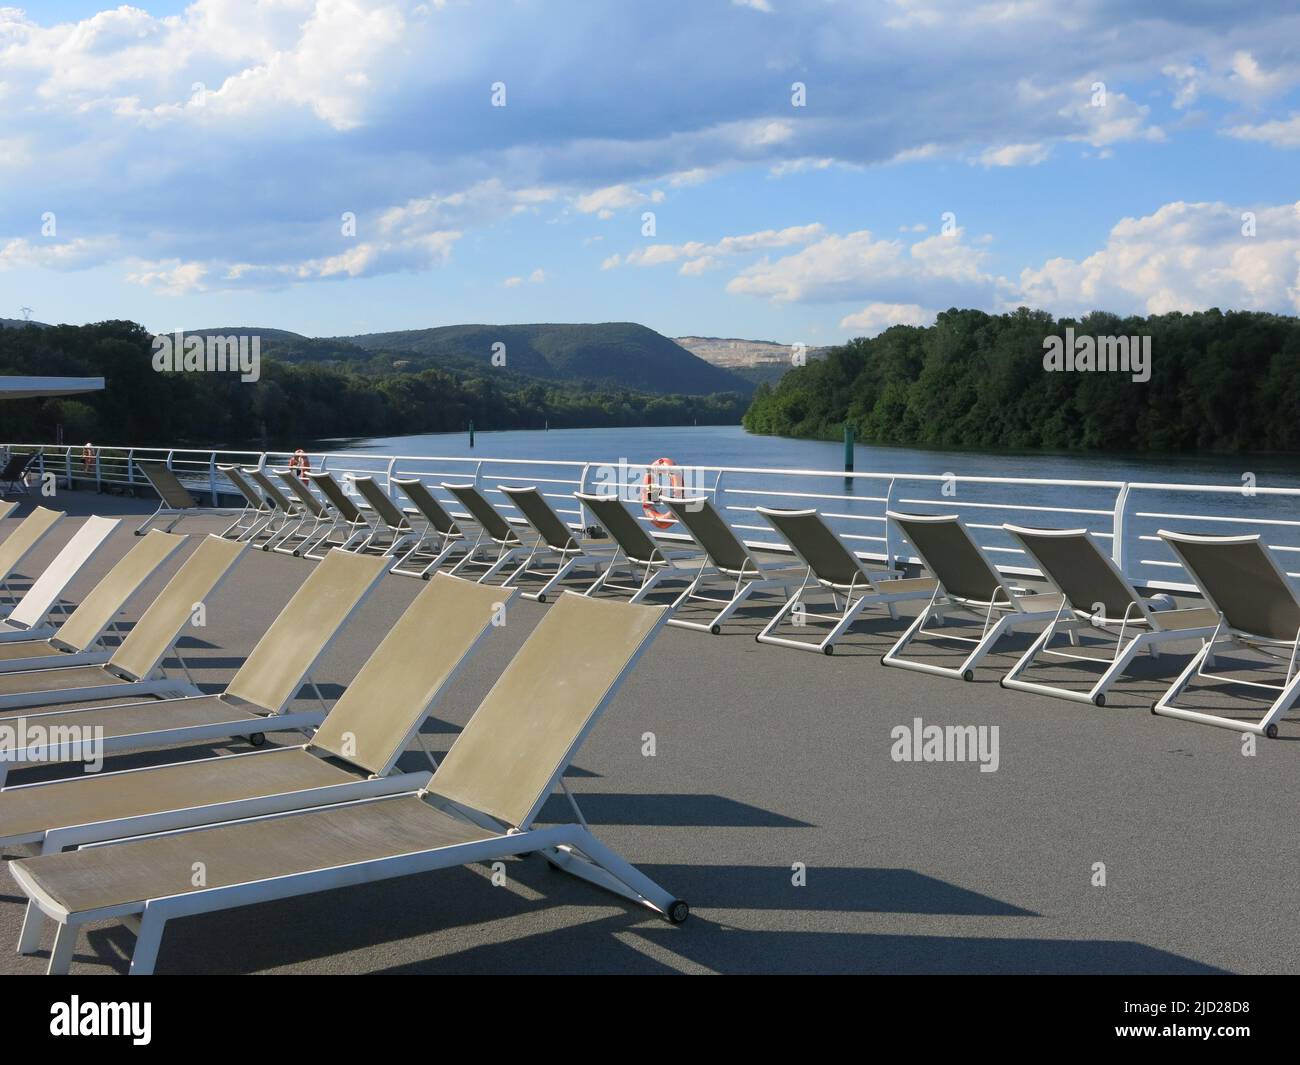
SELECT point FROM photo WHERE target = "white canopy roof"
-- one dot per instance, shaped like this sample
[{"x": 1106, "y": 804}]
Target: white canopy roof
[{"x": 26, "y": 387}]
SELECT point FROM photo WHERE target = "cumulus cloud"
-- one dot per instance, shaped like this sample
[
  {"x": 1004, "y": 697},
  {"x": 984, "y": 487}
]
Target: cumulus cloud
[
  {"x": 1183, "y": 257},
  {"x": 701, "y": 256},
  {"x": 877, "y": 317},
  {"x": 1280, "y": 133}
]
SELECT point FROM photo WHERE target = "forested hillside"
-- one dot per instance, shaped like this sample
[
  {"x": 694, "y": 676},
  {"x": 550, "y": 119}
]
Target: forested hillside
[{"x": 1221, "y": 382}]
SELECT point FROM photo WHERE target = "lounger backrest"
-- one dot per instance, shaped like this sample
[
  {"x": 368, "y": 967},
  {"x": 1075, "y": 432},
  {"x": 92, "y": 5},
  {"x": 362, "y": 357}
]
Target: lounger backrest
[
  {"x": 270, "y": 492},
  {"x": 236, "y": 477},
  {"x": 483, "y": 512},
  {"x": 950, "y": 554},
  {"x": 815, "y": 543},
  {"x": 169, "y": 489},
  {"x": 1241, "y": 580},
  {"x": 318, "y": 610},
  {"x": 375, "y": 719},
  {"x": 508, "y": 758},
  {"x": 712, "y": 533},
  {"x": 338, "y": 498},
  {"x": 380, "y": 503},
  {"x": 7, "y": 507},
  {"x": 619, "y": 522},
  {"x": 46, "y": 589},
  {"x": 28, "y": 534},
  {"x": 538, "y": 513},
  {"x": 1072, "y": 561},
  {"x": 303, "y": 494},
  {"x": 161, "y": 623},
  {"x": 428, "y": 506},
  {"x": 102, "y": 603}
]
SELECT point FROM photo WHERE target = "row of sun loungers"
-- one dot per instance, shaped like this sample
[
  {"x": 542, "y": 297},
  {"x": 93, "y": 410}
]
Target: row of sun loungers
[{"x": 331, "y": 811}]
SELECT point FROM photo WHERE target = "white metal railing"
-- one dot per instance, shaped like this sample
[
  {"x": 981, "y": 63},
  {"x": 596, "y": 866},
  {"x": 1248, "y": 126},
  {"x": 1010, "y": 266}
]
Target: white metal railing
[{"x": 1124, "y": 514}]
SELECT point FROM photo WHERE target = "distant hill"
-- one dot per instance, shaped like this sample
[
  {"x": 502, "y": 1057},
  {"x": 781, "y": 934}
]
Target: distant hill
[
  {"x": 609, "y": 354},
  {"x": 758, "y": 361},
  {"x": 18, "y": 323}
]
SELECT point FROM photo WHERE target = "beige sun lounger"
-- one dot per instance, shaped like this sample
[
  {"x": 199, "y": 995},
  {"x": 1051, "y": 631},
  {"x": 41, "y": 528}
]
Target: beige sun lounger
[
  {"x": 968, "y": 584},
  {"x": 1256, "y": 608},
  {"x": 23, "y": 541},
  {"x": 647, "y": 561},
  {"x": 175, "y": 500},
  {"x": 480, "y": 805},
  {"x": 1095, "y": 597},
  {"x": 442, "y": 537},
  {"x": 257, "y": 513},
  {"x": 391, "y": 530},
  {"x": 80, "y": 640},
  {"x": 7, "y": 507},
  {"x": 351, "y": 756},
  {"x": 494, "y": 534},
  {"x": 135, "y": 666},
  {"x": 556, "y": 544},
  {"x": 30, "y": 617},
  {"x": 314, "y": 520},
  {"x": 258, "y": 695},
  {"x": 350, "y": 528},
  {"x": 831, "y": 566},
  {"x": 728, "y": 559}
]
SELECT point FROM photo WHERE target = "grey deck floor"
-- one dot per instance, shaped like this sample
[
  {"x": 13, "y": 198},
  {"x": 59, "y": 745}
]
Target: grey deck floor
[{"x": 767, "y": 757}]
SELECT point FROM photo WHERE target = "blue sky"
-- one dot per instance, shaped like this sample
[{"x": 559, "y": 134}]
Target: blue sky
[{"x": 189, "y": 165}]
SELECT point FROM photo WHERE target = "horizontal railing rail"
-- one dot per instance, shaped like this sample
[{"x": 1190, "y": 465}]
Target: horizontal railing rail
[{"x": 1125, "y": 516}]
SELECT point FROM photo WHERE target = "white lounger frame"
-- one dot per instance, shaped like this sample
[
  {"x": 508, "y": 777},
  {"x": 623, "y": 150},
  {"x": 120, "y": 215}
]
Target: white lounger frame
[{"x": 30, "y": 617}]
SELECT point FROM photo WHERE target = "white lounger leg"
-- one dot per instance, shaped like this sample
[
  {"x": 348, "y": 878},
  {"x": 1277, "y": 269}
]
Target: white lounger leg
[
  {"x": 147, "y": 941},
  {"x": 1266, "y": 726},
  {"x": 609, "y": 870},
  {"x": 61, "y": 955},
  {"x": 30, "y": 937}
]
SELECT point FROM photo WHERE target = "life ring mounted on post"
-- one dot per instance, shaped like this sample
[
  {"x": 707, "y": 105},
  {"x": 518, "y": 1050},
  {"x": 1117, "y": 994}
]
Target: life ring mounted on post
[
  {"x": 300, "y": 464},
  {"x": 658, "y": 475},
  {"x": 88, "y": 456}
]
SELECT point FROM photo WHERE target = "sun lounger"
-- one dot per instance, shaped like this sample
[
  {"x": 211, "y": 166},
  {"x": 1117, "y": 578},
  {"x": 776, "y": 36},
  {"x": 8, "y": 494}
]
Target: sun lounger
[
  {"x": 729, "y": 561},
  {"x": 286, "y": 515},
  {"x": 7, "y": 507},
  {"x": 1256, "y": 608},
  {"x": 442, "y": 537},
  {"x": 15, "y": 472},
  {"x": 555, "y": 544},
  {"x": 314, "y": 517},
  {"x": 1095, "y": 597},
  {"x": 257, "y": 513},
  {"x": 80, "y": 640},
  {"x": 357, "y": 745},
  {"x": 494, "y": 533},
  {"x": 968, "y": 584},
  {"x": 391, "y": 530},
  {"x": 20, "y": 543},
  {"x": 175, "y": 500},
  {"x": 30, "y": 617},
  {"x": 479, "y": 805},
  {"x": 258, "y": 695},
  {"x": 349, "y": 529},
  {"x": 135, "y": 666},
  {"x": 831, "y": 566},
  {"x": 648, "y": 562}
]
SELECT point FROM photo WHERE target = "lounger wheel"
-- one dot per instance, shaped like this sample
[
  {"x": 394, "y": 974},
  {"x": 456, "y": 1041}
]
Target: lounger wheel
[
  {"x": 677, "y": 911},
  {"x": 541, "y": 598},
  {"x": 967, "y": 674},
  {"x": 257, "y": 739},
  {"x": 716, "y": 630},
  {"x": 1099, "y": 700},
  {"x": 1270, "y": 731},
  {"x": 829, "y": 649}
]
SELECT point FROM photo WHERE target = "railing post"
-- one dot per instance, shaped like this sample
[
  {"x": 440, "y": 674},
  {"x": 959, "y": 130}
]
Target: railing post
[
  {"x": 889, "y": 505},
  {"x": 388, "y": 476},
  {"x": 99, "y": 472},
  {"x": 130, "y": 469},
  {"x": 1118, "y": 526},
  {"x": 67, "y": 466},
  {"x": 212, "y": 477}
]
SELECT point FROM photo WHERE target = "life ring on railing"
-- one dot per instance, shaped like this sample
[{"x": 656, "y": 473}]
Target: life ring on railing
[
  {"x": 88, "y": 456},
  {"x": 652, "y": 485},
  {"x": 300, "y": 464}
]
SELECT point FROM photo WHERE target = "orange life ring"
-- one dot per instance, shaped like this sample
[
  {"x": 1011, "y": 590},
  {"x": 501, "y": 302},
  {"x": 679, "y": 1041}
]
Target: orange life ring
[
  {"x": 301, "y": 464},
  {"x": 652, "y": 485},
  {"x": 87, "y": 456}
]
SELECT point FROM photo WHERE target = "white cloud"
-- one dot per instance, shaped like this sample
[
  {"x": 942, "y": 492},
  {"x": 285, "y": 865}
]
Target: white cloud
[
  {"x": 1183, "y": 257},
  {"x": 1015, "y": 155},
  {"x": 694, "y": 251},
  {"x": 877, "y": 317},
  {"x": 604, "y": 202},
  {"x": 1281, "y": 133},
  {"x": 172, "y": 278}
]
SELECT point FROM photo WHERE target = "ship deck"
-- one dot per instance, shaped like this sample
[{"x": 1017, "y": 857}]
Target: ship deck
[{"x": 766, "y": 761}]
